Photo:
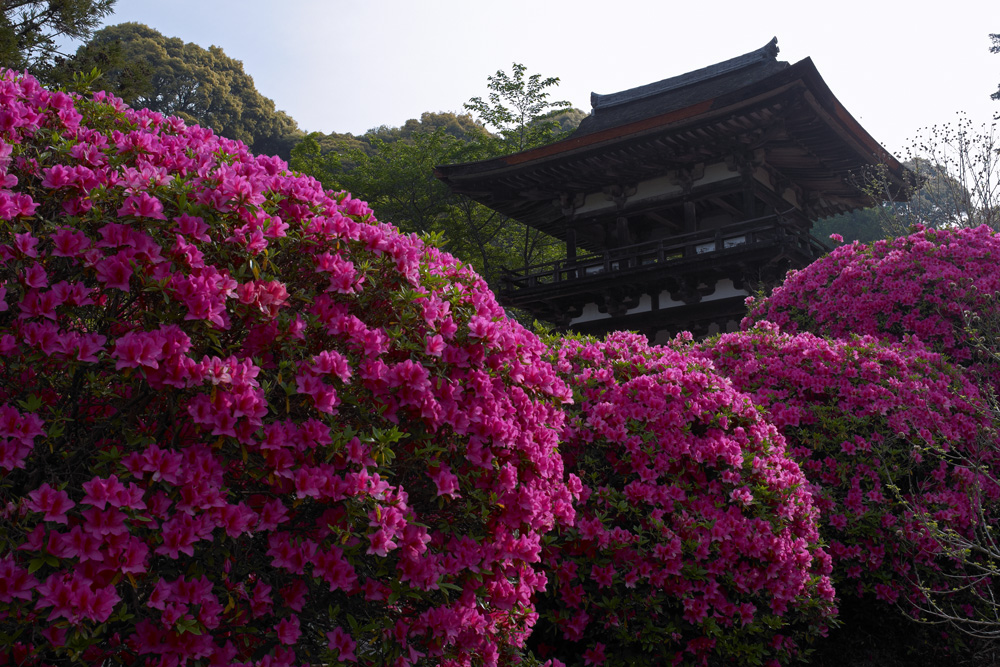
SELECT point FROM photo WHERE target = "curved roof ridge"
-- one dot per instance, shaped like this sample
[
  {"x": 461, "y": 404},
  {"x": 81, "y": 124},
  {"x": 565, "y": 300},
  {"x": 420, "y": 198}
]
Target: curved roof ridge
[{"x": 768, "y": 52}]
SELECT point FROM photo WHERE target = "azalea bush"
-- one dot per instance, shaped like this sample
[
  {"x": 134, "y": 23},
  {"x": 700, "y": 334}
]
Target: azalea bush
[
  {"x": 892, "y": 440},
  {"x": 695, "y": 538},
  {"x": 921, "y": 285},
  {"x": 241, "y": 421}
]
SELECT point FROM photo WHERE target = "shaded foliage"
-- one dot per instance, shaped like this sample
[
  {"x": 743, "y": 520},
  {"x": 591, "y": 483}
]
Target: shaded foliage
[
  {"x": 695, "y": 536},
  {"x": 863, "y": 225}
]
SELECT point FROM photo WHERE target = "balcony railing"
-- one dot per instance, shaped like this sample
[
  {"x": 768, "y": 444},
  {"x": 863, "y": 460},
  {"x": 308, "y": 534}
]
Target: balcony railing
[{"x": 770, "y": 230}]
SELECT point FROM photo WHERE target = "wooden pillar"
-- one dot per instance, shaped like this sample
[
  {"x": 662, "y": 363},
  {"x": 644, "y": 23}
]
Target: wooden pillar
[
  {"x": 749, "y": 200},
  {"x": 621, "y": 230},
  {"x": 690, "y": 217},
  {"x": 570, "y": 244},
  {"x": 690, "y": 226}
]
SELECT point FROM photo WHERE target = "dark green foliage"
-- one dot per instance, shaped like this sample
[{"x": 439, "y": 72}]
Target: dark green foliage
[
  {"x": 30, "y": 30},
  {"x": 565, "y": 120},
  {"x": 518, "y": 109},
  {"x": 867, "y": 636},
  {"x": 864, "y": 226},
  {"x": 203, "y": 86},
  {"x": 459, "y": 126},
  {"x": 392, "y": 168}
]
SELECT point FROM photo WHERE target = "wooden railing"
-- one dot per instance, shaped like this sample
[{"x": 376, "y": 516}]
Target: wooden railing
[{"x": 629, "y": 259}]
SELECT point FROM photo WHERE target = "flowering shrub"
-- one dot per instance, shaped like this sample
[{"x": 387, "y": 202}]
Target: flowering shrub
[
  {"x": 242, "y": 422},
  {"x": 885, "y": 435},
  {"x": 695, "y": 536},
  {"x": 919, "y": 285}
]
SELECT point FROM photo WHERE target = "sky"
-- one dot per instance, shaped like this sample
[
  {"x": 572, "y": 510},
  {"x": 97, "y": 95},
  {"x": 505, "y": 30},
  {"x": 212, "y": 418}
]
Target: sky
[{"x": 352, "y": 65}]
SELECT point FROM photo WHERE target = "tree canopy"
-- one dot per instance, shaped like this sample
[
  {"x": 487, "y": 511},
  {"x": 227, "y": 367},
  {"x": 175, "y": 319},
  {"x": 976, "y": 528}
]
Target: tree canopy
[
  {"x": 203, "y": 86},
  {"x": 517, "y": 108},
  {"x": 30, "y": 30},
  {"x": 393, "y": 168}
]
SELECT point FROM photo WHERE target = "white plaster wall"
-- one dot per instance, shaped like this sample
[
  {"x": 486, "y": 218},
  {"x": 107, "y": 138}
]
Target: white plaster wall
[
  {"x": 724, "y": 289},
  {"x": 645, "y": 305},
  {"x": 590, "y": 314}
]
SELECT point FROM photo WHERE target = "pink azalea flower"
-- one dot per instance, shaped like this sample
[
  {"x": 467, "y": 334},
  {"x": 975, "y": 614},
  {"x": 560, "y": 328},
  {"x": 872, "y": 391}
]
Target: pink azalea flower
[
  {"x": 15, "y": 581},
  {"x": 100, "y": 490},
  {"x": 144, "y": 206},
  {"x": 36, "y": 276},
  {"x": 595, "y": 655},
  {"x": 26, "y": 244},
  {"x": 56, "y": 176},
  {"x": 52, "y": 502},
  {"x": 115, "y": 271},
  {"x": 603, "y": 575},
  {"x": 288, "y": 630},
  {"x": 342, "y": 642},
  {"x": 380, "y": 543}
]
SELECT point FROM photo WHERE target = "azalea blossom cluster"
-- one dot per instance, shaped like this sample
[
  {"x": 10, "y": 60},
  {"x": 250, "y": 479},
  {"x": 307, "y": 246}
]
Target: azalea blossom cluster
[
  {"x": 244, "y": 423},
  {"x": 695, "y": 537},
  {"x": 921, "y": 285},
  {"x": 888, "y": 436}
]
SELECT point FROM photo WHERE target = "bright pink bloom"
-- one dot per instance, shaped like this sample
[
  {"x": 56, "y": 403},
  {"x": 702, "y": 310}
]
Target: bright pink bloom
[
  {"x": 445, "y": 481},
  {"x": 69, "y": 243},
  {"x": 381, "y": 543},
  {"x": 115, "y": 271},
  {"x": 217, "y": 452},
  {"x": 144, "y": 205}
]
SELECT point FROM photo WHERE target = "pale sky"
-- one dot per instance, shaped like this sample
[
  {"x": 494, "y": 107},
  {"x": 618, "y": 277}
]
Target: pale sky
[{"x": 351, "y": 65}]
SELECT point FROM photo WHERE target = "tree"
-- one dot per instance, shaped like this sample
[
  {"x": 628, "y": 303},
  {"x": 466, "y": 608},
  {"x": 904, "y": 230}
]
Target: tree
[
  {"x": 459, "y": 126},
  {"x": 516, "y": 108},
  {"x": 394, "y": 169},
  {"x": 995, "y": 48},
  {"x": 863, "y": 225},
  {"x": 202, "y": 86},
  {"x": 955, "y": 181},
  {"x": 30, "y": 30},
  {"x": 242, "y": 421},
  {"x": 397, "y": 177}
]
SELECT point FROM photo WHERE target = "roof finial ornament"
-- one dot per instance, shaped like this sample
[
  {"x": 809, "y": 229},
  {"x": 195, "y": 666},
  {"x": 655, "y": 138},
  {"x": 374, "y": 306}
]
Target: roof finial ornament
[{"x": 772, "y": 47}]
